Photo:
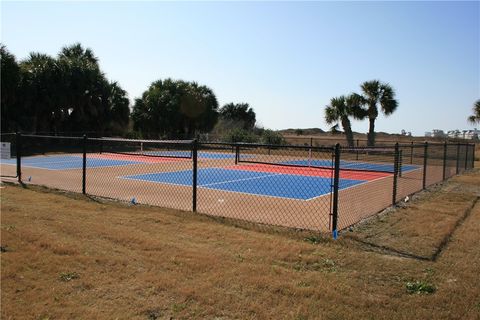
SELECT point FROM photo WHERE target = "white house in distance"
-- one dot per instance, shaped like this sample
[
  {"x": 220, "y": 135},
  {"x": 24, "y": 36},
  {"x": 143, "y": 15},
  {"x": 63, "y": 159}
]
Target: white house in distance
[
  {"x": 454, "y": 134},
  {"x": 464, "y": 134}
]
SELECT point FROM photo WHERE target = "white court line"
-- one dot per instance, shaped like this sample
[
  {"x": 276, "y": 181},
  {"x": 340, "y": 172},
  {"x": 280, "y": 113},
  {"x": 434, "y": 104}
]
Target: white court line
[
  {"x": 27, "y": 166},
  {"x": 237, "y": 180},
  {"x": 255, "y": 194},
  {"x": 353, "y": 186},
  {"x": 219, "y": 190}
]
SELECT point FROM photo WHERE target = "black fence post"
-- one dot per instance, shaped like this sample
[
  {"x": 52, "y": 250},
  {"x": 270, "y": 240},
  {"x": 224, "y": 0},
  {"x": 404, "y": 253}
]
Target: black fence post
[
  {"x": 194, "y": 178},
  {"x": 411, "y": 152},
  {"x": 18, "y": 137},
  {"x": 336, "y": 179},
  {"x": 458, "y": 159},
  {"x": 396, "y": 162},
  {"x": 473, "y": 155},
  {"x": 237, "y": 153},
  {"x": 445, "y": 146},
  {"x": 425, "y": 157},
  {"x": 466, "y": 156},
  {"x": 357, "y": 149},
  {"x": 84, "y": 165},
  {"x": 400, "y": 162}
]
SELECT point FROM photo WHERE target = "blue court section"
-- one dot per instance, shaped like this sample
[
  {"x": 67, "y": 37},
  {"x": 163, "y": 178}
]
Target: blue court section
[
  {"x": 362, "y": 166},
  {"x": 250, "y": 182},
  {"x": 75, "y": 162},
  {"x": 66, "y": 162}
]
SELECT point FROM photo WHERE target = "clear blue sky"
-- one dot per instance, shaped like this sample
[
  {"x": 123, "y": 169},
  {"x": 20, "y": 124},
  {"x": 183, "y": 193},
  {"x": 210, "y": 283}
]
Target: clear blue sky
[{"x": 286, "y": 59}]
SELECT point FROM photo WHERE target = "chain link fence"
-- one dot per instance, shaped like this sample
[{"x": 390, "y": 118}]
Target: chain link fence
[{"x": 310, "y": 188}]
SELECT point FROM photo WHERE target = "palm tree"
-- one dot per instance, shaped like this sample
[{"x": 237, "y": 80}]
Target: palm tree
[
  {"x": 39, "y": 83},
  {"x": 341, "y": 108},
  {"x": 377, "y": 94},
  {"x": 240, "y": 114},
  {"x": 174, "y": 108},
  {"x": 475, "y": 118},
  {"x": 9, "y": 84},
  {"x": 81, "y": 83}
]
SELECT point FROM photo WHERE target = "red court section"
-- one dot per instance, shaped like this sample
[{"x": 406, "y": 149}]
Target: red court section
[
  {"x": 138, "y": 158},
  {"x": 315, "y": 172}
]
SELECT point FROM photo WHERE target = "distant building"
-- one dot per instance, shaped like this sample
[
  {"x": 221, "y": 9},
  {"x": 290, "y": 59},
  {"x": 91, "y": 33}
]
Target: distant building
[
  {"x": 428, "y": 134},
  {"x": 464, "y": 134},
  {"x": 454, "y": 134},
  {"x": 472, "y": 134}
]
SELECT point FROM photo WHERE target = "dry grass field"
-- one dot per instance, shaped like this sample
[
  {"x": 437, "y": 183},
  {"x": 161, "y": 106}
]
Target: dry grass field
[{"x": 66, "y": 256}]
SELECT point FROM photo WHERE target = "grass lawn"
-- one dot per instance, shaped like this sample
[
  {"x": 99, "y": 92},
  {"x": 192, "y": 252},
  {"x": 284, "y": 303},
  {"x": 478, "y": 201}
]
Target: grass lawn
[{"x": 70, "y": 257}]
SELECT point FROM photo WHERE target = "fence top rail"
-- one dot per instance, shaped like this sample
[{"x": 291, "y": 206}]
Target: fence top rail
[
  {"x": 171, "y": 142},
  {"x": 366, "y": 148},
  {"x": 50, "y": 137},
  {"x": 7, "y": 133},
  {"x": 437, "y": 144},
  {"x": 204, "y": 143},
  {"x": 281, "y": 146}
]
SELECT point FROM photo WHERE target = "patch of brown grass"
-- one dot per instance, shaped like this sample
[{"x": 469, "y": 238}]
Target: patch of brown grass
[
  {"x": 419, "y": 228},
  {"x": 151, "y": 263}
]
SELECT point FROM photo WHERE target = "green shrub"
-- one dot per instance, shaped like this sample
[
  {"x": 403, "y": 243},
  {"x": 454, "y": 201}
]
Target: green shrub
[
  {"x": 420, "y": 287},
  {"x": 272, "y": 137},
  {"x": 240, "y": 135}
]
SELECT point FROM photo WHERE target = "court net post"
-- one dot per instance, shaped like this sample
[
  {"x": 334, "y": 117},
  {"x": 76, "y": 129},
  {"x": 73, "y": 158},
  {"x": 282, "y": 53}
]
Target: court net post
[
  {"x": 396, "y": 163},
  {"x": 336, "y": 180}
]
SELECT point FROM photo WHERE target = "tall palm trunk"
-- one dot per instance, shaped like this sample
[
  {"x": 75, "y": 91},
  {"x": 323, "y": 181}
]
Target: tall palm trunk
[
  {"x": 371, "y": 132},
  {"x": 348, "y": 131}
]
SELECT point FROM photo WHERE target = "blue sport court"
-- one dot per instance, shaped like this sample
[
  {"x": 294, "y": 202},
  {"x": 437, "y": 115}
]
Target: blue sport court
[
  {"x": 66, "y": 162},
  {"x": 290, "y": 186}
]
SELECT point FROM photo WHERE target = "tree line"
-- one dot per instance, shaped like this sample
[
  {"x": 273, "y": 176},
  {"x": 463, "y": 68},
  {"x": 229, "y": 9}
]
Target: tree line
[
  {"x": 66, "y": 93},
  {"x": 69, "y": 93}
]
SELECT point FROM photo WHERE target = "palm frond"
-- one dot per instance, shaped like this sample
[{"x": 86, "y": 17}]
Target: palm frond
[
  {"x": 331, "y": 115},
  {"x": 335, "y": 110},
  {"x": 473, "y": 119},
  {"x": 387, "y": 99},
  {"x": 355, "y": 106}
]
